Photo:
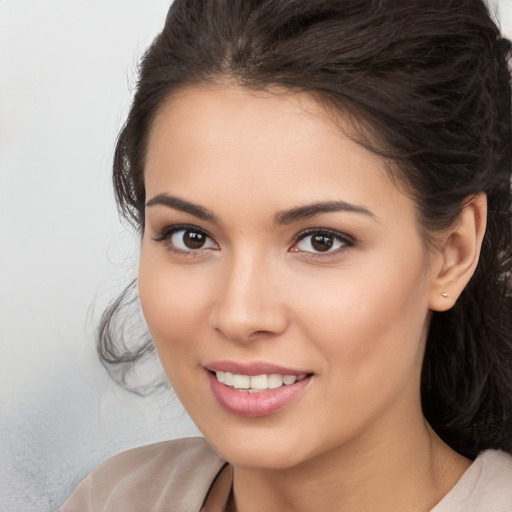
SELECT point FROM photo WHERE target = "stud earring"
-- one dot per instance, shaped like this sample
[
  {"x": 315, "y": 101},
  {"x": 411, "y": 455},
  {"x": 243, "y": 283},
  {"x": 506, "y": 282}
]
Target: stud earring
[{"x": 444, "y": 294}]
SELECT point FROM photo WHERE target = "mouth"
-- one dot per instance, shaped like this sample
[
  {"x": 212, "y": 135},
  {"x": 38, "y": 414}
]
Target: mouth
[
  {"x": 256, "y": 383},
  {"x": 255, "y": 390}
]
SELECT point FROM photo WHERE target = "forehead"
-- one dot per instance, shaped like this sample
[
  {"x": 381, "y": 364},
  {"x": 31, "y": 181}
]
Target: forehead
[{"x": 234, "y": 143}]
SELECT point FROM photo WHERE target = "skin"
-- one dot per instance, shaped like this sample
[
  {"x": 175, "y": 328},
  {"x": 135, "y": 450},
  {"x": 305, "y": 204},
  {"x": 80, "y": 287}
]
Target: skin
[{"x": 356, "y": 317}]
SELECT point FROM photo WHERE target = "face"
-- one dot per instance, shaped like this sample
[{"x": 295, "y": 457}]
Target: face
[{"x": 279, "y": 256}]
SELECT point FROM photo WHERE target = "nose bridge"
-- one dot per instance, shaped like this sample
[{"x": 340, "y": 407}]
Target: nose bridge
[{"x": 248, "y": 300}]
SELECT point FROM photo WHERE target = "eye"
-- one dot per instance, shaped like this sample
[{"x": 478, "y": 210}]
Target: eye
[
  {"x": 186, "y": 239},
  {"x": 322, "y": 242}
]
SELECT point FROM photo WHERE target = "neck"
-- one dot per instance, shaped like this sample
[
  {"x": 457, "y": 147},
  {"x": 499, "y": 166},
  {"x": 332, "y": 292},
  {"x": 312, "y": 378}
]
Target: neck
[{"x": 409, "y": 470}]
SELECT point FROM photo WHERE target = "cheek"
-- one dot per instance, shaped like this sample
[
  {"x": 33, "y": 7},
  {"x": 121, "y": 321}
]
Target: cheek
[
  {"x": 173, "y": 305},
  {"x": 369, "y": 325},
  {"x": 172, "y": 302}
]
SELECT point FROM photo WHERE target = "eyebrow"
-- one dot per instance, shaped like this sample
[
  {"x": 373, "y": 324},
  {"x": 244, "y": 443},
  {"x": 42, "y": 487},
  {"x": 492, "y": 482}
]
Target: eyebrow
[
  {"x": 185, "y": 206},
  {"x": 314, "y": 209},
  {"x": 281, "y": 218}
]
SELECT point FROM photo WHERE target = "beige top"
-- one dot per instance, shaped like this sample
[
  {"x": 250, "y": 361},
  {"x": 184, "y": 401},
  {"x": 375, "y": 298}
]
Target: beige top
[{"x": 176, "y": 476}]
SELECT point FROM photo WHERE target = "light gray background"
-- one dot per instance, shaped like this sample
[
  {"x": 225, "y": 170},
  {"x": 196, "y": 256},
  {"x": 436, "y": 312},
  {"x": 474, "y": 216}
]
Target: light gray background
[{"x": 67, "y": 70}]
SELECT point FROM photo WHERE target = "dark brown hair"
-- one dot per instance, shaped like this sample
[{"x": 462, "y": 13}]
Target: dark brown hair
[{"x": 428, "y": 84}]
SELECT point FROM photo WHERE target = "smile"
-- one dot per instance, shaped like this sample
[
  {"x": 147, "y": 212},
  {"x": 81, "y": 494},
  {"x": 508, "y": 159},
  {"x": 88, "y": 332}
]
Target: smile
[
  {"x": 257, "y": 383},
  {"x": 255, "y": 389}
]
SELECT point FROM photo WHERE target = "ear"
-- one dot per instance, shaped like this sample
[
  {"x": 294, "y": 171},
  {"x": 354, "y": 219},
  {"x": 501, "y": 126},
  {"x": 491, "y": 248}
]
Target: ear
[{"x": 460, "y": 249}]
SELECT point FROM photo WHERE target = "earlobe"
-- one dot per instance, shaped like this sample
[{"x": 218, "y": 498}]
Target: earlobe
[{"x": 459, "y": 254}]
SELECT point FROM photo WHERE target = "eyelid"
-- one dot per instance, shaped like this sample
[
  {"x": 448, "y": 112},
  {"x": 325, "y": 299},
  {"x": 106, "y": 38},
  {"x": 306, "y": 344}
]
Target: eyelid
[
  {"x": 168, "y": 230},
  {"x": 345, "y": 239},
  {"x": 164, "y": 235}
]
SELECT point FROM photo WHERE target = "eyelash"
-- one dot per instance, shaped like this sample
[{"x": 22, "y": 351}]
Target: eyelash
[
  {"x": 346, "y": 241},
  {"x": 165, "y": 235}
]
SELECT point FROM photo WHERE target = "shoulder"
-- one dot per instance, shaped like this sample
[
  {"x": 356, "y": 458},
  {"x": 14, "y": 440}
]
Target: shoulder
[
  {"x": 486, "y": 486},
  {"x": 495, "y": 482},
  {"x": 151, "y": 478}
]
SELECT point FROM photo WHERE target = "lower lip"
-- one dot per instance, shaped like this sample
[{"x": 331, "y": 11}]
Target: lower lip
[{"x": 261, "y": 403}]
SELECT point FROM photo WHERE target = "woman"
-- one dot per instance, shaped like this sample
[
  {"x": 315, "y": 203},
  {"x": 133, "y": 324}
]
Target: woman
[{"x": 323, "y": 194}]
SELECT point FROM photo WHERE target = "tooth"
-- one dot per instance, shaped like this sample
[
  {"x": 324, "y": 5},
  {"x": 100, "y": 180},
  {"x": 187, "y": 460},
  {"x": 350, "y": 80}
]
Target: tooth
[
  {"x": 259, "y": 382},
  {"x": 241, "y": 381},
  {"x": 275, "y": 381},
  {"x": 289, "y": 379}
]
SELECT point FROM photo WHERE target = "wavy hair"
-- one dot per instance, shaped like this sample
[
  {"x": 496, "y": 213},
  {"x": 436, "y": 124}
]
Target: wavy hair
[{"x": 428, "y": 85}]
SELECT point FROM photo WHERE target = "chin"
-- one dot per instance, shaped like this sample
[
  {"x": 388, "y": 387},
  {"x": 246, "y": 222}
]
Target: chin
[
  {"x": 261, "y": 457},
  {"x": 259, "y": 448}
]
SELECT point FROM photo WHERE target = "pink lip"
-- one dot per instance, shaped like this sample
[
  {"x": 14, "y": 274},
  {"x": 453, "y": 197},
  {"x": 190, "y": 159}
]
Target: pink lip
[
  {"x": 255, "y": 368},
  {"x": 262, "y": 403}
]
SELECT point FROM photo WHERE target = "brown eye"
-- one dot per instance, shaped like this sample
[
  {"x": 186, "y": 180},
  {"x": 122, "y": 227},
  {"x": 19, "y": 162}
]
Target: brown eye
[
  {"x": 186, "y": 240},
  {"x": 322, "y": 243},
  {"x": 194, "y": 240}
]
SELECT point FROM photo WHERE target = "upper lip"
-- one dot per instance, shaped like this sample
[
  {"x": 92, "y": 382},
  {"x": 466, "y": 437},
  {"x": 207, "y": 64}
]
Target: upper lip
[{"x": 253, "y": 368}]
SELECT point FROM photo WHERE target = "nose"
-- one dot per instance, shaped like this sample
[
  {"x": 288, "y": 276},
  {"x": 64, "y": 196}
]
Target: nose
[{"x": 248, "y": 304}]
